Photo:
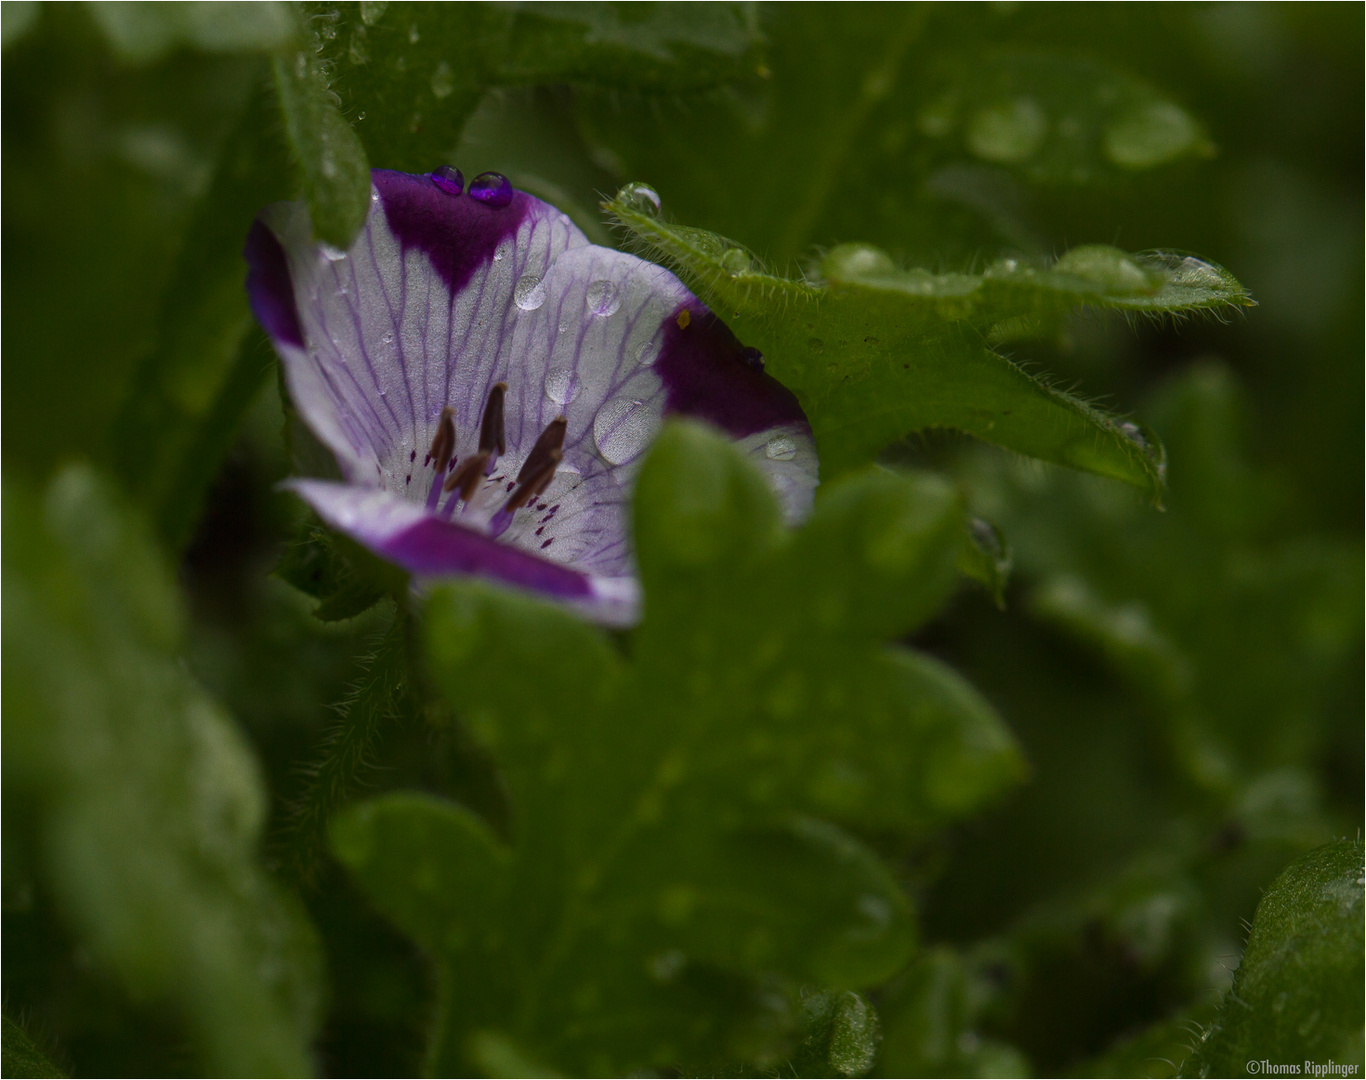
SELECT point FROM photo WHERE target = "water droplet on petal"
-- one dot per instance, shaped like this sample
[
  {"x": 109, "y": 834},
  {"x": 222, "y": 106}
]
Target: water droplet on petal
[
  {"x": 332, "y": 254},
  {"x": 623, "y": 428},
  {"x": 640, "y": 198},
  {"x": 604, "y": 298},
  {"x": 1008, "y": 133},
  {"x": 388, "y": 338},
  {"x": 781, "y": 448},
  {"x": 502, "y": 251},
  {"x": 560, "y": 386},
  {"x": 646, "y": 353},
  {"x": 448, "y": 179},
  {"x": 529, "y": 292},
  {"x": 492, "y": 189}
]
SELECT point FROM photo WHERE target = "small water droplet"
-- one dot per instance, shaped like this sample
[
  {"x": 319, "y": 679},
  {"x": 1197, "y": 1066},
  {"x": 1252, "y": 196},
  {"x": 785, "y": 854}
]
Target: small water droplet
[
  {"x": 604, "y": 298},
  {"x": 1008, "y": 133},
  {"x": 529, "y": 292},
  {"x": 561, "y": 386},
  {"x": 781, "y": 448},
  {"x": 752, "y": 357},
  {"x": 443, "y": 82},
  {"x": 371, "y": 10},
  {"x": 1193, "y": 271},
  {"x": 640, "y": 198},
  {"x": 449, "y": 179},
  {"x": 492, "y": 189},
  {"x": 502, "y": 251},
  {"x": 413, "y": 35},
  {"x": 737, "y": 261},
  {"x": 1131, "y": 432},
  {"x": 332, "y": 254},
  {"x": 646, "y": 354},
  {"x": 623, "y": 428},
  {"x": 388, "y": 338},
  {"x": 360, "y": 115}
]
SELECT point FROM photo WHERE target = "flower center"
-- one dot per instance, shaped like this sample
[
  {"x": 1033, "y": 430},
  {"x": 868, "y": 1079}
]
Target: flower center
[{"x": 464, "y": 484}]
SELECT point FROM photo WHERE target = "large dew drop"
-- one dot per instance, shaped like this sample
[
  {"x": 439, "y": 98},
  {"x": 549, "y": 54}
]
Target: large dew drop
[
  {"x": 529, "y": 292},
  {"x": 603, "y": 298},
  {"x": 623, "y": 428},
  {"x": 640, "y": 198},
  {"x": 560, "y": 386},
  {"x": 1153, "y": 134}
]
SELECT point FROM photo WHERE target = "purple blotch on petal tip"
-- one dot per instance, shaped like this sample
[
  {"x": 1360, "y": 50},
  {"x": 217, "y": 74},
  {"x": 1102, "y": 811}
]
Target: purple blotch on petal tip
[
  {"x": 449, "y": 179},
  {"x": 707, "y": 373},
  {"x": 457, "y": 235},
  {"x": 433, "y": 547},
  {"x": 492, "y": 189},
  {"x": 269, "y": 289}
]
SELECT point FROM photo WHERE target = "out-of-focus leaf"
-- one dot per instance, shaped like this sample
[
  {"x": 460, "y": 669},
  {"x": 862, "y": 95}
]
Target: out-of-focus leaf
[
  {"x": 336, "y": 173},
  {"x": 147, "y": 806},
  {"x": 412, "y": 73},
  {"x": 875, "y": 352},
  {"x": 1297, "y": 996},
  {"x": 1238, "y": 634},
  {"x": 673, "y": 849},
  {"x": 905, "y": 125},
  {"x": 987, "y": 558},
  {"x": 17, "y": 18},
  {"x": 141, "y": 32},
  {"x": 202, "y": 371},
  {"x": 1054, "y": 118}
]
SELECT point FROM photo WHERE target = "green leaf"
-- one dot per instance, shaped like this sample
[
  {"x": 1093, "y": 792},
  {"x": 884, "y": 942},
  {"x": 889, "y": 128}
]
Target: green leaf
[
  {"x": 1297, "y": 996},
  {"x": 142, "y": 32},
  {"x": 413, "y": 73},
  {"x": 679, "y": 817},
  {"x": 336, "y": 173},
  {"x": 875, "y": 352},
  {"x": 23, "y": 1057},
  {"x": 147, "y": 805}
]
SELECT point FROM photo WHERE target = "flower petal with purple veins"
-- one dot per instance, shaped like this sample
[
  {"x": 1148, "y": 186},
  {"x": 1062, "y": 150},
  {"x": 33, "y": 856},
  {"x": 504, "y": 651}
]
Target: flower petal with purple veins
[{"x": 440, "y": 300}]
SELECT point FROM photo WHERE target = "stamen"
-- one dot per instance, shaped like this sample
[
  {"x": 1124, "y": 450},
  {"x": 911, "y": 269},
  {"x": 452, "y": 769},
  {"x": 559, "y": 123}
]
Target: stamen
[
  {"x": 529, "y": 486},
  {"x": 491, "y": 437},
  {"x": 468, "y": 476},
  {"x": 551, "y": 439},
  {"x": 443, "y": 442}
]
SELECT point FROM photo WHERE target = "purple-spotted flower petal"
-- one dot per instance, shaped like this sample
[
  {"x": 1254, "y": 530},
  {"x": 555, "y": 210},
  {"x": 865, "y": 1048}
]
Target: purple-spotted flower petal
[{"x": 489, "y": 382}]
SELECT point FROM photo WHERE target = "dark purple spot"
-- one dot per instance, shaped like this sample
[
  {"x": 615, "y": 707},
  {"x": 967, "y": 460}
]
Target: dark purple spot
[
  {"x": 540, "y": 506},
  {"x": 269, "y": 290},
  {"x": 413, "y": 456},
  {"x": 540, "y": 530},
  {"x": 554, "y": 508},
  {"x": 492, "y": 189},
  {"x": 512, "y": 484},
  {"x": 408, "y": 479},
  {"x": 706, "y": 374},
  {"x": 457, "y": 235},
  {"x": 547, "y": 543},
  {"x": 448, "y": 179}
]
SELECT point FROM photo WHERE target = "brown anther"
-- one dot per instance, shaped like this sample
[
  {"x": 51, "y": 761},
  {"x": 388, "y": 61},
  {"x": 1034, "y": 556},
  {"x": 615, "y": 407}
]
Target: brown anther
[
  {"x": 443, "y": 442},
  {"x": 468, "y": 476},
  {"x": 491, "y": 436},
  {"x": 552, "y": 438},
  {"x": 529, "y": 486}
]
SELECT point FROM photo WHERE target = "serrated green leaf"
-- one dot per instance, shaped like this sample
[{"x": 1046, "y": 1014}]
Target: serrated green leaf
[
  {"x": 875, "y": 352},
  {"x": 678, "y": 816},
  {"x": 1297, "y": 996},
  {"x": 148, "y": 805}
]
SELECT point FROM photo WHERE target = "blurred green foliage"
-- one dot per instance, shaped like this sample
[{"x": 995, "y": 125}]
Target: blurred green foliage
[{"x": 824, "y": 813}]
